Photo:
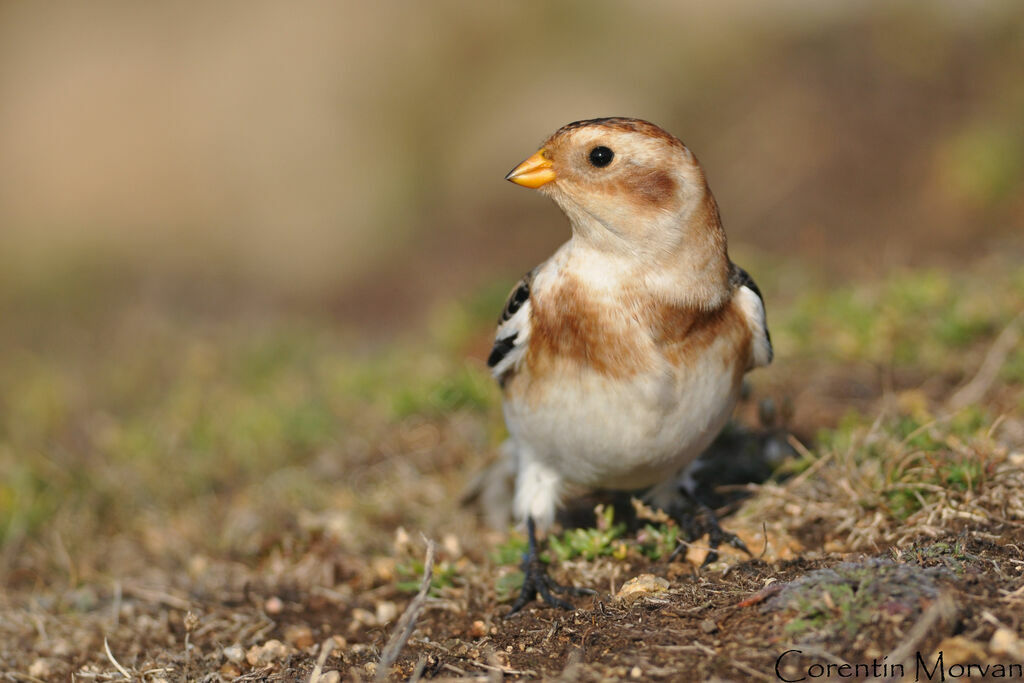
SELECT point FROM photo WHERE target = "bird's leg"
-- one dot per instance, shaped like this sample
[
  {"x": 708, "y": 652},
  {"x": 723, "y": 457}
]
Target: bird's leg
[
  {"x": 536, "y": 582},
  {"x": 697, "y": 519}
]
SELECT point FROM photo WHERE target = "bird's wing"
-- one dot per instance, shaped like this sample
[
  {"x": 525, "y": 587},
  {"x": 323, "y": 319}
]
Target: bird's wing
[
  {"x": 749, "y": 298},
  {"x": 513, "y": 330}
]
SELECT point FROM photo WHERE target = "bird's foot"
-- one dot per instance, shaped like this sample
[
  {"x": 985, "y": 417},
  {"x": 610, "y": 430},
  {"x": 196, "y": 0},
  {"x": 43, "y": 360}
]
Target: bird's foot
[
  {"x": 537, "y": 584},
  {"x": 694, "y": 526}
]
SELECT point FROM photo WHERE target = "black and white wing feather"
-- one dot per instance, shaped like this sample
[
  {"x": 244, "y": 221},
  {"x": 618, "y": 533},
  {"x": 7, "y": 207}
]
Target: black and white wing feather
[
  {"x": 513, "y": 330},
  {"x": 750, "y": 300}
]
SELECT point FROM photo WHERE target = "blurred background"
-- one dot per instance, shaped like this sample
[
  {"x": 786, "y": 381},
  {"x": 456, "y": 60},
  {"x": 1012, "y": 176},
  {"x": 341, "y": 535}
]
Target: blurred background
[
  {"x": 251, "y": 255},
  {"x": 353, "y": 155}
]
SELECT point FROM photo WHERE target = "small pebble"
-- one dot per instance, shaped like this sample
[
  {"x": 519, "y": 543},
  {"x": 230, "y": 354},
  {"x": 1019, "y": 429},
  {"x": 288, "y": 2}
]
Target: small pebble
[
  {"x": 362, "y": 617},
  {"x": 270, "y": 651},
  {"x": 1005, "y": 642},
  {"x": 40, "y": 669},
  {"x": 450, "y": 543},
  {"x": 635, "y": 672},
  {"x": 299, "y": 635},
  {"x": 234, "y": 653},
  {"x": 708, "y": 626},
  {"x": 402, "y": 540},
  {"x": 641, "y": 586},
  {"x": 386, "y": 612},
  {"x": 230, "y": 671},
  {"x": 274, "y": 605}
]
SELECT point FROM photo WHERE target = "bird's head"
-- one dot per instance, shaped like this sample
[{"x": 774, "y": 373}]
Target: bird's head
[{"x": 624, "y": 184}]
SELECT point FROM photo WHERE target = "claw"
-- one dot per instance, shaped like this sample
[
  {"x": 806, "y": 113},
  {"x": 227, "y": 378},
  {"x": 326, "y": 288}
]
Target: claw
[
  {"x": 537, "y": 583},
  {"x": 705, "y": 521}
]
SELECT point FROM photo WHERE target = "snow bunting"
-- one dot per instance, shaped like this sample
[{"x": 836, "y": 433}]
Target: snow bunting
[{"x": 621, "y": 356}]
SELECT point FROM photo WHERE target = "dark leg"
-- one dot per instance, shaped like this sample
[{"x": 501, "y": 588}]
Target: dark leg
[
  {"x": 537, "y": 583},
  {"x": 696, "y": 519}
]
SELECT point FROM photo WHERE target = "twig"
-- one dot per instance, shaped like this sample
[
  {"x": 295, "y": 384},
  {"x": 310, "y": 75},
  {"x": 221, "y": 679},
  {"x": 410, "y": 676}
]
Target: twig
[
  {"x": 115, "y": 607},
  {"x": 761, "y": 595},
  {"x": 690, "y": 611},
  {"x": 117, "y": 665},
  {"x": 157, "y": 596},
  {"x": 417, "y": 672},
  {"x": 693, "y": 647},
  {"x": 407, "y": 622},
  {"x": 325, "y": 651},
  {"x": 190, "y": 621},
  {"x": 975, "y": 390},
  {"x": 15, "y": 676},
  {"x": 942, "y": 609},
  {"x": 805, "y": 453},
  {"x": 573, "y": 664},
  {"x": 749, "y": 670},
  {"x": 500, "y": 669}
]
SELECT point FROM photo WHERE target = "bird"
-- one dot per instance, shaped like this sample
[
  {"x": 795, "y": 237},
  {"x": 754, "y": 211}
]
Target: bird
[{"x": 621, "y": 356}]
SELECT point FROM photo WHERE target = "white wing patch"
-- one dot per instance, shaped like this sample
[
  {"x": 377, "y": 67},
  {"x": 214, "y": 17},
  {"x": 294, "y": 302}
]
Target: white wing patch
[
  {"x": 513, "y": 330},
  {"x": 510, "y": 342},
  {"x": 753, "y": 309}
]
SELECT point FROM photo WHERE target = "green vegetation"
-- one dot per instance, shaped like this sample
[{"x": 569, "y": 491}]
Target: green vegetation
[
  {"x": 952, "y": 556},
  {"x": 920, "y": 319},
  {"x": 410, "y": 576},
  {"x": 834, "y": 603},
  {"x": 598, "y": 541}
]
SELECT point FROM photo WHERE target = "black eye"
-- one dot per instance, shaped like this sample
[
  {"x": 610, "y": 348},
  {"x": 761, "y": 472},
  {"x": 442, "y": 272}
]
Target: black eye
[{"x": 601, "y": 156}]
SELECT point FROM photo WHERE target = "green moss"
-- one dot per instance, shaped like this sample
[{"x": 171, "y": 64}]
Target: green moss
[{"x": 839, "y": 602}]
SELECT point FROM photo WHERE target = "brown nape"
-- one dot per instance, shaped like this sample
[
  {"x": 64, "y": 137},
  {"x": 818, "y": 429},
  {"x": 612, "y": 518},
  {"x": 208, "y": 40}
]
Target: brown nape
[
  {"x": 621, "y": 123},
  {"x": 706, "y": 240},
  {"x": 565, "y": 325}
]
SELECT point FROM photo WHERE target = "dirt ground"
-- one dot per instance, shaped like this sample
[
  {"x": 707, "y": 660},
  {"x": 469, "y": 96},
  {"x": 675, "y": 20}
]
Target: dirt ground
[{"x": 311, "y": 607}]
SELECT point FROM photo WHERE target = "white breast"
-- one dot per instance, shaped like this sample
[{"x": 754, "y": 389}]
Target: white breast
[{"x": 601, "y": 432}]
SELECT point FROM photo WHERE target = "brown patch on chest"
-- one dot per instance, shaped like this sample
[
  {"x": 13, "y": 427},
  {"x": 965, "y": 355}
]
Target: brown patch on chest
[
  {"x": 685, "y": 334},
  {"x": 567, "y": 326}
]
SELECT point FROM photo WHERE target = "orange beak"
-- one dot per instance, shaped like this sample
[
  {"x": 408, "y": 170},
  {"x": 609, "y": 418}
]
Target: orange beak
[{"x": 534, "y": 172}]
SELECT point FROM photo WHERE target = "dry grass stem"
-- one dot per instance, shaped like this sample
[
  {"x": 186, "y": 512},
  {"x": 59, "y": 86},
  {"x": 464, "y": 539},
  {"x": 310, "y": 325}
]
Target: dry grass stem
[
  {"x": 407, "y": 622},
  {"x": 975, "y": 390},
  {"x": 117, "y": 665},
  {"x": 943, "y": 609},
  {"x": 325, "y": 650}
]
